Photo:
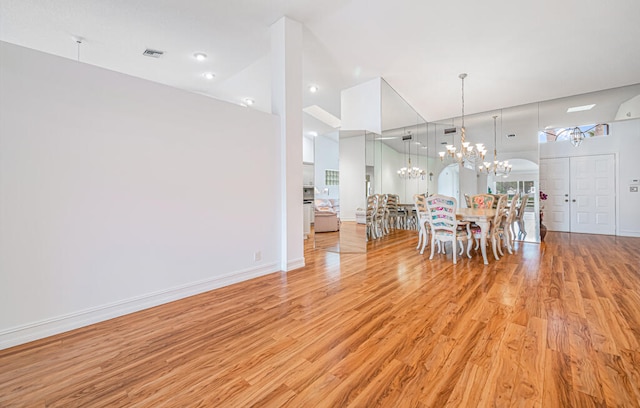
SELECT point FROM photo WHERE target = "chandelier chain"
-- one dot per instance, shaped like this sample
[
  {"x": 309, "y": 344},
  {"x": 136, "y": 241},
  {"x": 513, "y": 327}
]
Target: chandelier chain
[
  {"x": 466, "y": 155},
  {"x": 463, "y": 76},
  {"x": 497, "y": 168}
]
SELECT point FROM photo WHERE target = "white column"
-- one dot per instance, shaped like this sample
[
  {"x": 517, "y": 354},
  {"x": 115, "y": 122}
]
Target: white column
[{"x": 286, "y": 102}]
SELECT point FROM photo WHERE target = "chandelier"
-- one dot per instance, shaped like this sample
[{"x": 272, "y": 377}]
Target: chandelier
[
  {"x": 410, "y": 171},
  {"x": 466, "y": 153},
  {"x": 576, "y": 136},
  {"x": 497, "y": 168}
]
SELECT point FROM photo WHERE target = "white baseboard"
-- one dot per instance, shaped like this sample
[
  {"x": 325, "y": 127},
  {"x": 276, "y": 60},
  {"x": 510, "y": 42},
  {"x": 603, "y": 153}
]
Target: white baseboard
[
  {"x": 295, "y": 264},
  {"x": 629, "y": 234},
  {"x": 60, "y": 324}
]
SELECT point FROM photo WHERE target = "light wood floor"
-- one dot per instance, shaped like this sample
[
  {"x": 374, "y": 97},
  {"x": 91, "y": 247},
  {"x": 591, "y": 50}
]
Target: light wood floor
[
  {"x": 352, "y": 238},
  {"x": 554, "y": 325}
]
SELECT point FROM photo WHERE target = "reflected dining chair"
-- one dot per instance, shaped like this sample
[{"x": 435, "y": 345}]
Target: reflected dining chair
[
  {"x": 422, "y": 215},
  {"x": 373, "y": 219},
  {"x": 445, "y": 226},
  {"x": 391, "y": 212}
]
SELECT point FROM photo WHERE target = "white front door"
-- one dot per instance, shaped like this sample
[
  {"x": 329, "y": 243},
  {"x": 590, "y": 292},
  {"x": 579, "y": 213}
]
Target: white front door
[
  {"x": 554, "y": 181},
  {"x": 581, "y": 193},
  {"x": 593, "y": 194}
]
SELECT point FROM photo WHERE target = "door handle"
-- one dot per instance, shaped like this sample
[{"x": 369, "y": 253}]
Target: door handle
[
  {"x": 566, "y": 201},
  {"x": 573, "y": 201}
]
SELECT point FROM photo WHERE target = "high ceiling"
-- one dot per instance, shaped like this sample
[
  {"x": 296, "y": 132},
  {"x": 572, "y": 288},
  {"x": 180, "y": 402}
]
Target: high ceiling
[{"x": 514, "y": 52}]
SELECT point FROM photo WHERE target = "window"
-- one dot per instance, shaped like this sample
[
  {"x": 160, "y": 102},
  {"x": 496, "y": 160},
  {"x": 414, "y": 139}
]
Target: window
[
  {"x": 561, "y": 134},
  {"x": 510, "y": 188},
  {"x": 331, "y": 177}
]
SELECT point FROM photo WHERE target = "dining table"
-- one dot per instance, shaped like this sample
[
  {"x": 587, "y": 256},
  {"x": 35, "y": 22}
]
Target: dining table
[{"x": 482, "y": 217}]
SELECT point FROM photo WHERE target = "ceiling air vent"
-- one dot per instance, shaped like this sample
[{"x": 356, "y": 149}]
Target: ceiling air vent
[
  {"x": 152, "y": 53},
  {"x": 450, "y": 130}
]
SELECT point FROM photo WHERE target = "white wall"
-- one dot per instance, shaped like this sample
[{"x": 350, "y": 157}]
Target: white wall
[
  {"x": 468, "y": 183},
  {"x": 286, "y": 103},
  {"x": 352, "y": 177},
  {"x": 307, "y": 149},
  {"x": 118, "y": 194},
  {"x": 327, "y": 158},
  {"x": 627, "y": 135},
  {"x": 360, "y": 107},
  {"x": 624, "y": 143}
]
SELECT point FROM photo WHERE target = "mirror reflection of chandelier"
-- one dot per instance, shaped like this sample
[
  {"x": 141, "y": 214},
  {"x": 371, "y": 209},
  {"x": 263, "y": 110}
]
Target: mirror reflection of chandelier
[
  {"x": 410, "y": 171},
  {"x": 497, "y": 168},
  {"x": 466, "y": 152}
]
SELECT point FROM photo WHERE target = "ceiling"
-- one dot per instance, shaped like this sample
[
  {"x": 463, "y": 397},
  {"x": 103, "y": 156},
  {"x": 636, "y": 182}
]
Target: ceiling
[{"x": 514, "y": 52}]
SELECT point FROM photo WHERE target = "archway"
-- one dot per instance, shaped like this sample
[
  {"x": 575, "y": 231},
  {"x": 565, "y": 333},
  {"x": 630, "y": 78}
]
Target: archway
[{"x": 449, "y": 181}]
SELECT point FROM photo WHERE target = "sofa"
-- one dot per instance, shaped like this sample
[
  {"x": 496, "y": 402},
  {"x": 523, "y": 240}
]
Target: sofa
[{"x": 326, "y": 215}]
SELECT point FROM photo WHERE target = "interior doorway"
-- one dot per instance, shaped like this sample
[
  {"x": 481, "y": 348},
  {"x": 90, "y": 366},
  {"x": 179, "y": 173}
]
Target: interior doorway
[
  {"x": 449, "y": 181},
  {"x": 523, "y": 179}
]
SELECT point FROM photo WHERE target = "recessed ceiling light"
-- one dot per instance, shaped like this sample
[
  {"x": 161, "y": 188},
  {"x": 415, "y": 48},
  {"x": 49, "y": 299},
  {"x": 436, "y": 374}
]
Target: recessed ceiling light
[
  {"x": 249, "y": 101},
  {"x": 209, "y": 75},
  {"x": 580, "y": 108},
  {"x": 200, "y": 56},
  {"x": 313, "y": 88},
  {"x": 312, "y": 133}
]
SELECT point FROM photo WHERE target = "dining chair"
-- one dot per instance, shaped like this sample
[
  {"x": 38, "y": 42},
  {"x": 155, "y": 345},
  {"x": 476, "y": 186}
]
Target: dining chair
[
  {"x": 513, "y": 222},
  {"x": 522, "y": 233},
  {"x": 493, "y": 228},
  {"x": 482, "y": 201},
  {"x": 496, "y": 197},
  {"x": 504, "y": 229},
  {"x": 467, "y": 200},
  {"x": 445, "y": 226}
]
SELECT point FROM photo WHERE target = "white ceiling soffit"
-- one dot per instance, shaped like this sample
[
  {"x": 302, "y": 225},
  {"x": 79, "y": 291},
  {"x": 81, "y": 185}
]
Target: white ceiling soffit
[
  {"x": 629, "y": 109},
  {"x": 322, "y": 115}
]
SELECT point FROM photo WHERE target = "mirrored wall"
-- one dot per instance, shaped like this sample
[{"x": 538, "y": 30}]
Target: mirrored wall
[
  {"x": 511, "y": 137},
  {"x": 397, "y": 160},
  {"x": 372, "y": 162}
]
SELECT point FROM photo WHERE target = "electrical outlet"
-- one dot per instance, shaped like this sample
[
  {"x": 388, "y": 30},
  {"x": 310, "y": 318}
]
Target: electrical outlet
[
  {"x": 633, "y": 189},
  {"x": 257, "y": 256}
]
